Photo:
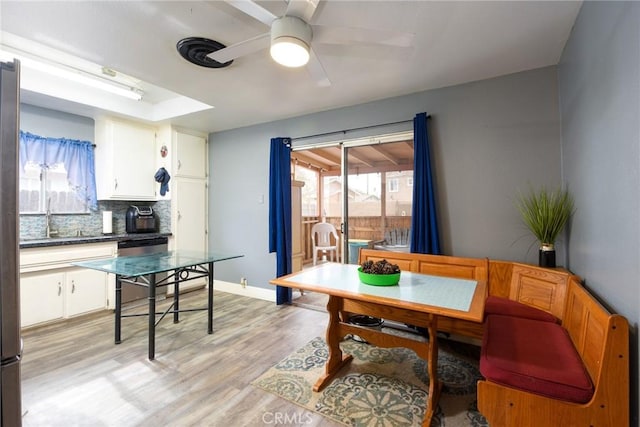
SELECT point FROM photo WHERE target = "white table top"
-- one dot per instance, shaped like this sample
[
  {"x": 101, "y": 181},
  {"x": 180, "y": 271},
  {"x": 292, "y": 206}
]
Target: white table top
[{"x": 445, "y": 292}]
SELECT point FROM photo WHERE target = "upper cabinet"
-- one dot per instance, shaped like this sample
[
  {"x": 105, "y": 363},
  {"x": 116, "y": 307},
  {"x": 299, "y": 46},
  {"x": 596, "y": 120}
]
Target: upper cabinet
[
  {"x": 125, "y": 160},
  {"x": 183, "y": 153},
  {"x": 190, "y": 155}
]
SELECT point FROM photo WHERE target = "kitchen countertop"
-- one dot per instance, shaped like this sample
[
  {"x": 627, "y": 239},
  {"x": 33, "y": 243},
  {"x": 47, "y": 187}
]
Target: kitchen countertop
[{"x": 60, "y": 241}]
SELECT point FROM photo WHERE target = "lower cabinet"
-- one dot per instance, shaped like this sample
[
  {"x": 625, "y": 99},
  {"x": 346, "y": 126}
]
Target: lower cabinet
[
  {"x": 41, "y": 297},
  {"x": 85, "y": 291},
  {"x": 51, "y": 288},
  {"x": 57, "y": 294}
]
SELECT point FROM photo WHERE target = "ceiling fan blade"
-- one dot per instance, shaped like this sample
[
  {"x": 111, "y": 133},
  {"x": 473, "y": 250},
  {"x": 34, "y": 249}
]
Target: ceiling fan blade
[
  {"x": 303, "y": 9},
  {"x": 317, "y": 71},
  {"x": 243, "y": 48},
  {"x": 254, "y": 10},
  {"x": 346, "y": 35}
]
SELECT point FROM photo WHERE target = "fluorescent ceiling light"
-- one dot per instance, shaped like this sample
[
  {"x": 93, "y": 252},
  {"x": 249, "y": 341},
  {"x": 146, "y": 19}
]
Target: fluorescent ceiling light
[
  {"x": 53, "y": 79},
  {"x": 74, "y": 75}
]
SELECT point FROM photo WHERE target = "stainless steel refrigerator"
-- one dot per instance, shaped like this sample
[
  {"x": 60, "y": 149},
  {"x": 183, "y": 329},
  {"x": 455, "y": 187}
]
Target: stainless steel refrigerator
[{"x": 10, "y": 341}]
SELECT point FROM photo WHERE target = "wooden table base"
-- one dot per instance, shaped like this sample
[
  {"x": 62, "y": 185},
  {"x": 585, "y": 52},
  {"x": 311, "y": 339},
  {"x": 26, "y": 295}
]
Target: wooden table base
[{"x": 338, "y": 328}]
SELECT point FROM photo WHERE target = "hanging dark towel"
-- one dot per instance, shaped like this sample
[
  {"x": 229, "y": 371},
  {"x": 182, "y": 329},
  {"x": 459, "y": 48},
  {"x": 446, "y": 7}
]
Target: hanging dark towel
[{"x": 162, "y": 176}]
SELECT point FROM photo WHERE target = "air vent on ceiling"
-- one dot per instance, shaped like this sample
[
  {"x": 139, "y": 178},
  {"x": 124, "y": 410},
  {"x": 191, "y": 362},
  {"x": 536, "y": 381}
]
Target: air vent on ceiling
[{"x": 196, "y": 49}]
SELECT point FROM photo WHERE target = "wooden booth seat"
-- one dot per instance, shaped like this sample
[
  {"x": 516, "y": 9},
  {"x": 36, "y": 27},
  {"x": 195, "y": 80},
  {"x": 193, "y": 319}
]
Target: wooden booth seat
[
  {"x": 533, "y": 355},
  {"x": 538, "y": 372},
  {"x": 515, "y": 309},
  {"x": 551, "y": 354}
]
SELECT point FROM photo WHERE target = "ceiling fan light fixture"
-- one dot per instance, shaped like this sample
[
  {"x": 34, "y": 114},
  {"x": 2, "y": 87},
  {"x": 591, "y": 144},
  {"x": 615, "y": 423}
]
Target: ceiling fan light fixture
[
  {"x": 290, "y": 40},
  {"x": 290, "y": 52}
]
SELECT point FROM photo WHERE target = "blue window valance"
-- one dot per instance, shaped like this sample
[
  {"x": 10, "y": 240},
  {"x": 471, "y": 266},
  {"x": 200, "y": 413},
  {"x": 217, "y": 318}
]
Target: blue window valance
[{"x": 76, "y": 156}]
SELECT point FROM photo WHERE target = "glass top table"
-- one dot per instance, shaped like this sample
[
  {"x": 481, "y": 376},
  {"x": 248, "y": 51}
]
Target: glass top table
[
  {"x": 141, "y": 265},
  {"x": 141, "y": 270}
]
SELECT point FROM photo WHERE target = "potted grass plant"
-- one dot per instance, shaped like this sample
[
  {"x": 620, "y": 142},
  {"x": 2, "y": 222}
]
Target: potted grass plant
[{"x": 546, "y": 213}]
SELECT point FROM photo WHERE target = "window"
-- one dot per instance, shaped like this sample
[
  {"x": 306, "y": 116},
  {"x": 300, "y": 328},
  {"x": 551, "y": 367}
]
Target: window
[
  {"x": 393, "y": 185},
  {"x": 410, "y": 181},
  {"x": 57, "y": 174}
]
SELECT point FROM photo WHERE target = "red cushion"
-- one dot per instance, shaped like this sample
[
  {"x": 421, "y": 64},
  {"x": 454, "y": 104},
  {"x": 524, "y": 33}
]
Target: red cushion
[
  {"x": 497, "y": 305},
  {"x": 533, "y": 356}
]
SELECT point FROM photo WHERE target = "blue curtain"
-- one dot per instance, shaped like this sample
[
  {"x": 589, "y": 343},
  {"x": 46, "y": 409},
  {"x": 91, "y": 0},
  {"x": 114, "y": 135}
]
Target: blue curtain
[
  {"x": 280, "y": 240},
  {"x": 77, "y": 157},
  {"x": 424, "y": 223}
]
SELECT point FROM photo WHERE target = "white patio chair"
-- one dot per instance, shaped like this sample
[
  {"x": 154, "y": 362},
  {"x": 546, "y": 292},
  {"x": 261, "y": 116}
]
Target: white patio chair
[{"x": 321, "y": 234}]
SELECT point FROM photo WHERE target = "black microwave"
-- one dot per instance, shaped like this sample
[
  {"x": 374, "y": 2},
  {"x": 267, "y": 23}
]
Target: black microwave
[{"x": 141, "y": 219}]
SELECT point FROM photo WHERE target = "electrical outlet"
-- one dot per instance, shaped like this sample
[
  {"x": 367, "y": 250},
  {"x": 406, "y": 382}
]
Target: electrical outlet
[{"x": 243, "y": 282}]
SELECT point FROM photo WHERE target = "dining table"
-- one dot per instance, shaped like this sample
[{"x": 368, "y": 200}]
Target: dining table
[
  {"x": 143, "y": 270},
  {"x": 417, "y": 299}
]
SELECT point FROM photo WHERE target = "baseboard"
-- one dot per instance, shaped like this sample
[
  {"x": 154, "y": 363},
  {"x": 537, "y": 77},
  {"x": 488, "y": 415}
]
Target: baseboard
[{"x": 247, "y": 291}]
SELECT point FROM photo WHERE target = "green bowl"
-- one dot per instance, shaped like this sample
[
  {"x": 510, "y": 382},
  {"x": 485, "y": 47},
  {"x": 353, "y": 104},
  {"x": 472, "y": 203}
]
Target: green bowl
[{"x": 378, "y": 279}]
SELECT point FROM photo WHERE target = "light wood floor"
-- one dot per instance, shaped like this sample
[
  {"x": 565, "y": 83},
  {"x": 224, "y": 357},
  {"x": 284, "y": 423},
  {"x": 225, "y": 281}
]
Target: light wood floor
[{"x": 74, "y": 375}]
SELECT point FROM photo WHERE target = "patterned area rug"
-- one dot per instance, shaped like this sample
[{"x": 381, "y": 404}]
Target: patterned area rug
[{"x": 380, "y": 387}]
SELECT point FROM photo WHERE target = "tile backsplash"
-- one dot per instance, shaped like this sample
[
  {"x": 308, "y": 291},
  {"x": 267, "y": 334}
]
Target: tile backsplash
[{"x": 34, "y": 226}]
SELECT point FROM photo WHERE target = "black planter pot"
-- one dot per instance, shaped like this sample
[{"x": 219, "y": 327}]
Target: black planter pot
[{"x": 547, "y": 257}]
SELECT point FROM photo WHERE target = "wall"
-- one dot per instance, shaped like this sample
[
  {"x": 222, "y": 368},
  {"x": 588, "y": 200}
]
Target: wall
[
  {"x": 599, "y": 86},
  {"x": 56, "y": 124},
  {"x": 490, "y": 139}
]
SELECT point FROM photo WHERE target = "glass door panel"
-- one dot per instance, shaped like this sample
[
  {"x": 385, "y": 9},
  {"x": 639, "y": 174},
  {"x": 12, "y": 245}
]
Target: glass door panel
[
  {"x": 379, "y": 196},
  {"x": 364, "y": 188}
]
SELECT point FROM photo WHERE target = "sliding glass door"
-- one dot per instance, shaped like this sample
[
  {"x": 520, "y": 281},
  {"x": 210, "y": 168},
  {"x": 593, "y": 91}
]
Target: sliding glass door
[
  {"x": 362, "y": 187},
  {"x": 377, "y": 194}
]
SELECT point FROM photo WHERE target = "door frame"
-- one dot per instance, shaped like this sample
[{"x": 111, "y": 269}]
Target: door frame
[{"x": 345, "y": 145}]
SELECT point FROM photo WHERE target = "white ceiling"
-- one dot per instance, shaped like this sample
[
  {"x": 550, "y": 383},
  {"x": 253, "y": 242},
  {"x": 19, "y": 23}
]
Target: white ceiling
[{"x": 455, "y": 42}]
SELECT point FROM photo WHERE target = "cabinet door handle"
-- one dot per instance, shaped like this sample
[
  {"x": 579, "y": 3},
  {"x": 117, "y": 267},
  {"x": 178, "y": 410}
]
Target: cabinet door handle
[
  {"x": 73, "y": 286},
  {"x": 179, "y": 164},
  {"x": 59, "y": 288},
  {"x": 115, "y": 187},
  {"x": 179, "y": 216}
]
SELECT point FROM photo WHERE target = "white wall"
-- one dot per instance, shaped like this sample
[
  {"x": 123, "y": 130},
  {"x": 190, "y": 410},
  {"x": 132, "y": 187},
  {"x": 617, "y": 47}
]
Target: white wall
[
  {"x": 490, "y": 139},
  {"x": 55, "y": 124},
  {"x": 599, "y": 81}
]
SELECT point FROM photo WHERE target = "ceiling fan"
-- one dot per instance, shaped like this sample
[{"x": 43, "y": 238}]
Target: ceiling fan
[{"x": 292, "y": 37}]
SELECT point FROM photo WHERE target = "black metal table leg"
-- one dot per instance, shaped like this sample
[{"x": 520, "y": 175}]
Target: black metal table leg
[
  {"x": 210, "y": 301},
  {"x": 118, "y": 308},
  {"x": 176, "y": 297},
  {"x": 152, "y": 316}
]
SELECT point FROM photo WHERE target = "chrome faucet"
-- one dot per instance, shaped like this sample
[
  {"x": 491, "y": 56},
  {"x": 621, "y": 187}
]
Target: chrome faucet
[{"x": 49, "y": 231}]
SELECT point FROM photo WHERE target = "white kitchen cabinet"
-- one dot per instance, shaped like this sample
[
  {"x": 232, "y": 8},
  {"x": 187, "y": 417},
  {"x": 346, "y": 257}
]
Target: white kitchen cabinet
[
  {"x": 186, "y": 159},
  {"x": 190, "y": 155},
  {"x": 41, "y": 297},
  {"x": 51, "y": 288},
  {"x": 60, "y": 294},
  {"x": 190, "y": 230},
  {"x": 191, "y": 220},
  {"x": 85, "y": 291},
  {"x": 125, "y": 160}
]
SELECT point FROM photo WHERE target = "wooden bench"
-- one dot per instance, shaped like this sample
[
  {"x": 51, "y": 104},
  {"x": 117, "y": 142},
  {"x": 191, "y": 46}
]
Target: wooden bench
[{"x": 601, "y": 339}]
